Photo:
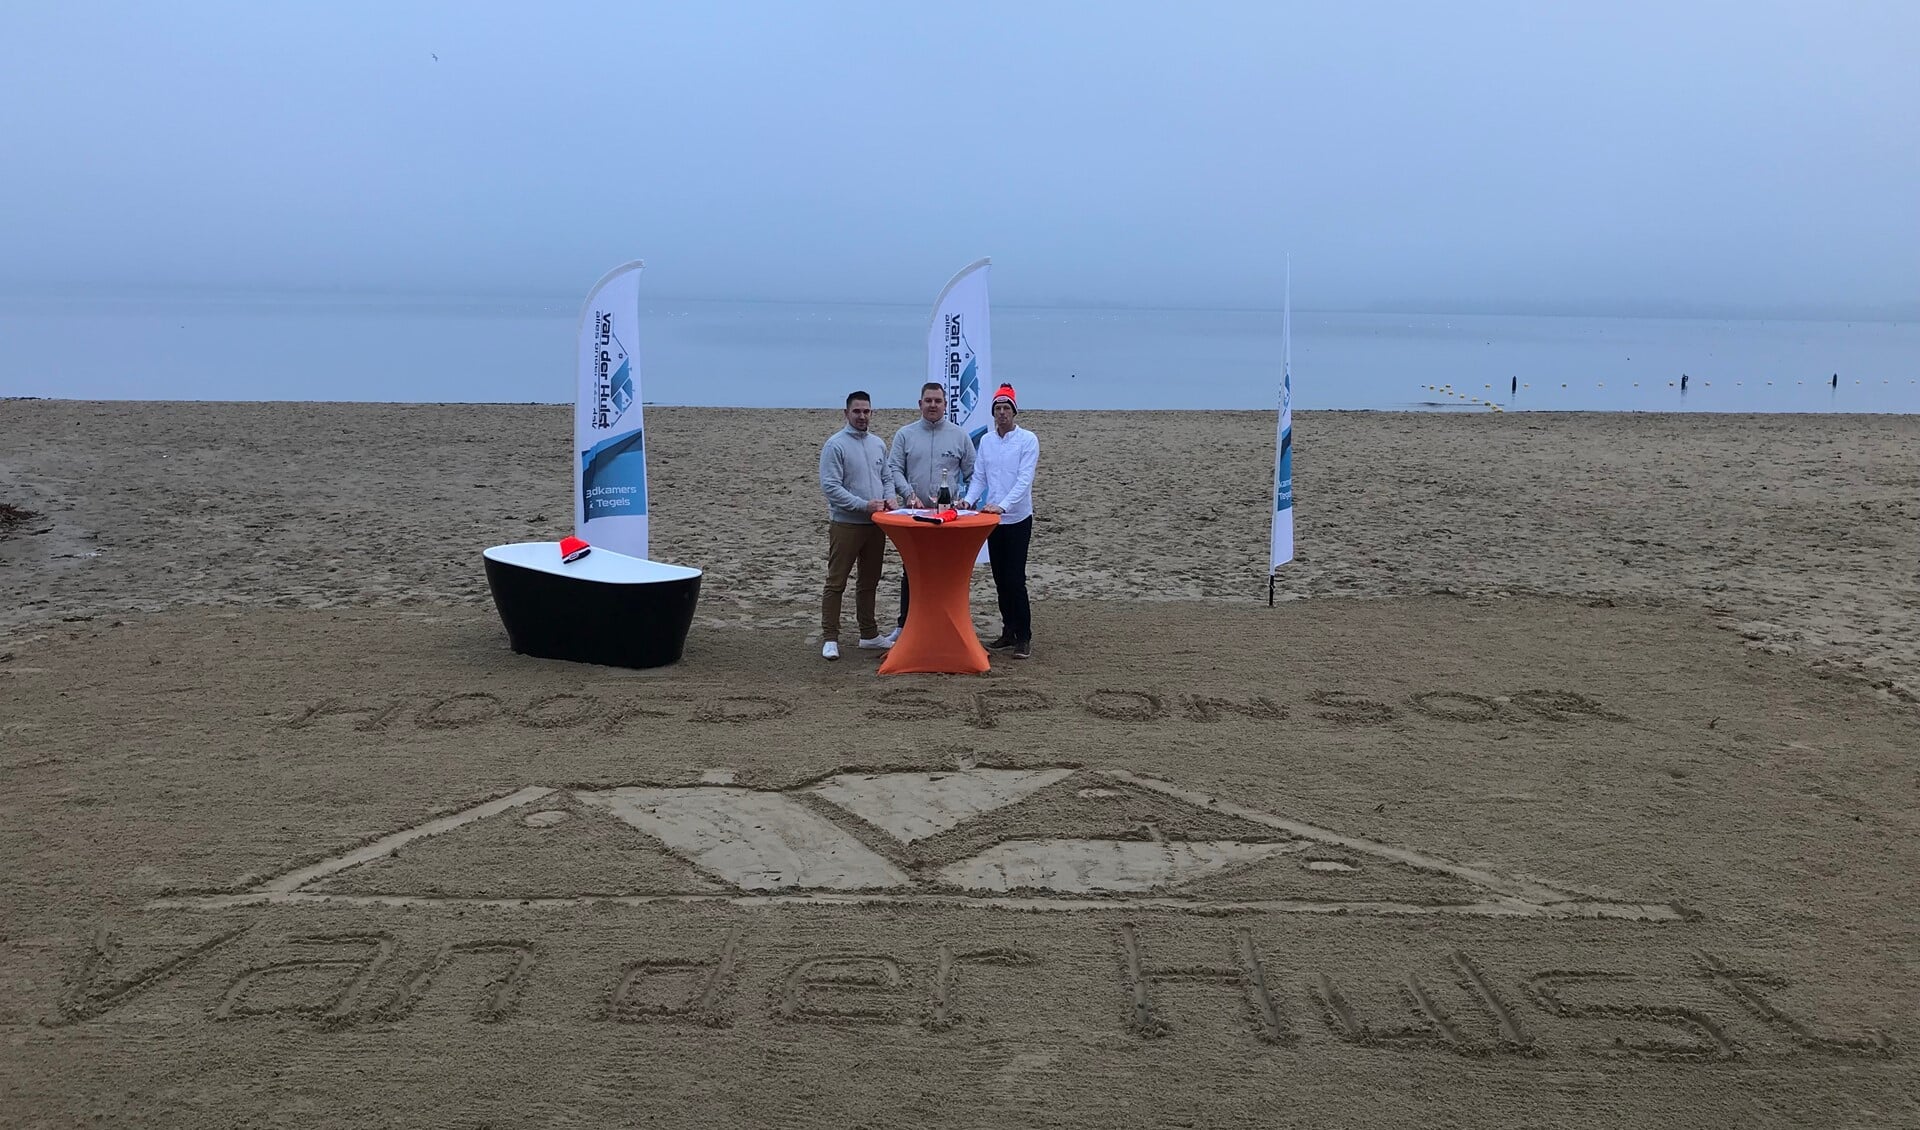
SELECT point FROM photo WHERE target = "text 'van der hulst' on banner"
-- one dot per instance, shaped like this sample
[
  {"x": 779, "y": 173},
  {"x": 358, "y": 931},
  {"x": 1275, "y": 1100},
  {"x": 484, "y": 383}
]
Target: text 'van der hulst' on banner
[
  {"x": 960, "y": 348},
  {"x": 960, "y": 353}
]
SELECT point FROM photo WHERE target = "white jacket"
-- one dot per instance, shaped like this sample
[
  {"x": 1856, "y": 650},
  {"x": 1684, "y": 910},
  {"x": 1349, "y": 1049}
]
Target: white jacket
[{"x": 1003, "y": 473}]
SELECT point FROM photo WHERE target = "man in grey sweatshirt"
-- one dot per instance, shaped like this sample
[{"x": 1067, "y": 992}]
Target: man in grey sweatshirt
[
  {"x": 926, "y": 455},
  {"x": 854, "y": 477}
]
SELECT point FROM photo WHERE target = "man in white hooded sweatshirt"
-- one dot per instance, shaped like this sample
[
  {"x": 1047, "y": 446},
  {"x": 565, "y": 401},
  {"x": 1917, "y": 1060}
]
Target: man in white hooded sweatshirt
[{"x": 1003, "y": 484}]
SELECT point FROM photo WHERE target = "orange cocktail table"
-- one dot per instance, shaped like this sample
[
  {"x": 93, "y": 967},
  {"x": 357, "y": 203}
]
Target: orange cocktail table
[{"x": 938, "y": 635}]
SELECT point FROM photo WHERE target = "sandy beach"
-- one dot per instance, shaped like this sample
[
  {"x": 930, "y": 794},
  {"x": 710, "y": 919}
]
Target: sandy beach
[{"x": 1570, "y": 781}]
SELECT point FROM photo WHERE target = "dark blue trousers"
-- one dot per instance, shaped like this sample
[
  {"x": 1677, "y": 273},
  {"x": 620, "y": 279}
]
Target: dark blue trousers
[{"x": 1007, "y": 553}]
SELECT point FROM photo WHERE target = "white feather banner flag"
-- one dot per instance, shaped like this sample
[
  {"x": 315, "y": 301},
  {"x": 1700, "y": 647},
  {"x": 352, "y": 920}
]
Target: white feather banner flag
[
  {"x": 1283, "y": 447},
  {"x": 960, "y": 349},
  {"x": 609, "y": 443}
]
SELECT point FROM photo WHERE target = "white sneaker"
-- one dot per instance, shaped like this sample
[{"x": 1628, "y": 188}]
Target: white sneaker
[
  {"x": 830, "y": 650},
  {"x": 893, "y": 637},
  {"x": 877, "y": 643}
]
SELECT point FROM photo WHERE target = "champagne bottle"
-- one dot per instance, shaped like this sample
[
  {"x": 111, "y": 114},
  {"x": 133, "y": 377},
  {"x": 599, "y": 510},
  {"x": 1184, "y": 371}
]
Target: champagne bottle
[{"x": 946, "y": 487}]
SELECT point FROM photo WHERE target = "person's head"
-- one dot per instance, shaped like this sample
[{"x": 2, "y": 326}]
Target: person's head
[
  {"x": 1005, "y": 407},
  {"x": 933, "y": 402},
  {"x": 859, "y": 411}
]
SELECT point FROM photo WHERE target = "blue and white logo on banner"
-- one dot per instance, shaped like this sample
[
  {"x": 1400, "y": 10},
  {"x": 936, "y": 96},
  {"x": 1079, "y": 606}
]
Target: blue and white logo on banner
[
  {"x": 1283, "y": 467},
  {"x": 620, "y": 389},
  {"x": 1283, "y": 488},
  {"x": 960, "y": 407},
  {"x": 963, "y": 377},
  {"x": 960, "y": 404}
]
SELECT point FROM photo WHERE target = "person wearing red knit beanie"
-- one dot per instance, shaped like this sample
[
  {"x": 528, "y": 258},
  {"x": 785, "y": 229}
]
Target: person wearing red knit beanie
[{"x": 1002, "y": 484}]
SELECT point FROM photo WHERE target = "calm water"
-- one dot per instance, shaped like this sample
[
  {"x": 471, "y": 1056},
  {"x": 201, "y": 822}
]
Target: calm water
[{"x": 779, "y": 354}]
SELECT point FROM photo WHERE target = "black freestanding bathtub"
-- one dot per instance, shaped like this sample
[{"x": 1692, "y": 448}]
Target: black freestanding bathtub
[{"x": 604, "y": 608}]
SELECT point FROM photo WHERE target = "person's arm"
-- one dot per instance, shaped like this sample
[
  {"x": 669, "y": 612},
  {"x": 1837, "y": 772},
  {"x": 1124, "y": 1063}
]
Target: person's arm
[
  {"x": 899, "y": 484},
  {"x": 977, "y": 482},
  {"x": 833, "y": 479},
  {"x": 1021, "y": 493},
  {"x": 967, "y": 460}
]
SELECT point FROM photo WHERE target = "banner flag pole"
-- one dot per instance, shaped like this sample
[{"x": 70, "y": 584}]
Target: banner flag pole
[{"x": 609, "y": 442}]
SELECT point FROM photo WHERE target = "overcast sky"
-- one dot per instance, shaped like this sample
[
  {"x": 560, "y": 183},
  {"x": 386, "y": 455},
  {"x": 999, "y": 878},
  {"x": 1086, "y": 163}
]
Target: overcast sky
[{"x": 1457, "y": 155}]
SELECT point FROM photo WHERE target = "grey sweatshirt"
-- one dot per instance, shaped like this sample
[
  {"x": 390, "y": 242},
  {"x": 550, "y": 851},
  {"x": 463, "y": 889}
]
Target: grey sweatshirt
[
  {"x": 853, "y": 472},
  {"x": 919, "y": 453}
]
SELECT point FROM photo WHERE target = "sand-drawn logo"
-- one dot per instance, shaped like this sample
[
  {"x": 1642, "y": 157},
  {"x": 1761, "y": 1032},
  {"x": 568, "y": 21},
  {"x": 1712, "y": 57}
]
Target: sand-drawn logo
[{"x": 1052, "y": 838}]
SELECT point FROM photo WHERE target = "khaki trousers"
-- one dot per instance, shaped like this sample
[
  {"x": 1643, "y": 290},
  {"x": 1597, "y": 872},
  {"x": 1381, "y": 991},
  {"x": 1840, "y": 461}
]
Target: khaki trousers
[{"x": 850, "y": 544}]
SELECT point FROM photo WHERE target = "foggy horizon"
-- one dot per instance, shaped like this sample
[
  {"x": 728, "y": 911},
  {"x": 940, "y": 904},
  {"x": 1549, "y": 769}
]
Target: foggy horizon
[
  {"x": 1644, "y": 160},
  {"x": 549, "y": 302}
]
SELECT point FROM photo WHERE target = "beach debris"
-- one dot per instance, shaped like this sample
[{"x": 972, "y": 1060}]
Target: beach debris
[{"x": 13, "y": 515}]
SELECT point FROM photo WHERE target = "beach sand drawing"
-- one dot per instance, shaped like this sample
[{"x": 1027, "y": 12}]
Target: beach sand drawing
[
  {"x": 916, "y": 837},
  {"x": 1570, "y": 782}
]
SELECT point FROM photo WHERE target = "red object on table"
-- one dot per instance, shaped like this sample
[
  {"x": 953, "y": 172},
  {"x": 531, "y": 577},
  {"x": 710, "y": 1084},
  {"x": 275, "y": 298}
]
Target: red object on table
[{"x": 938, "y": 636}]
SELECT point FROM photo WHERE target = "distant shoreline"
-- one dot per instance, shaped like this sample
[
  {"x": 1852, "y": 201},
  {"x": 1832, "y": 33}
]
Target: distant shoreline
[
  {"x": 356, "y": 350},
  {"x": 1448, "y": 410}
]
